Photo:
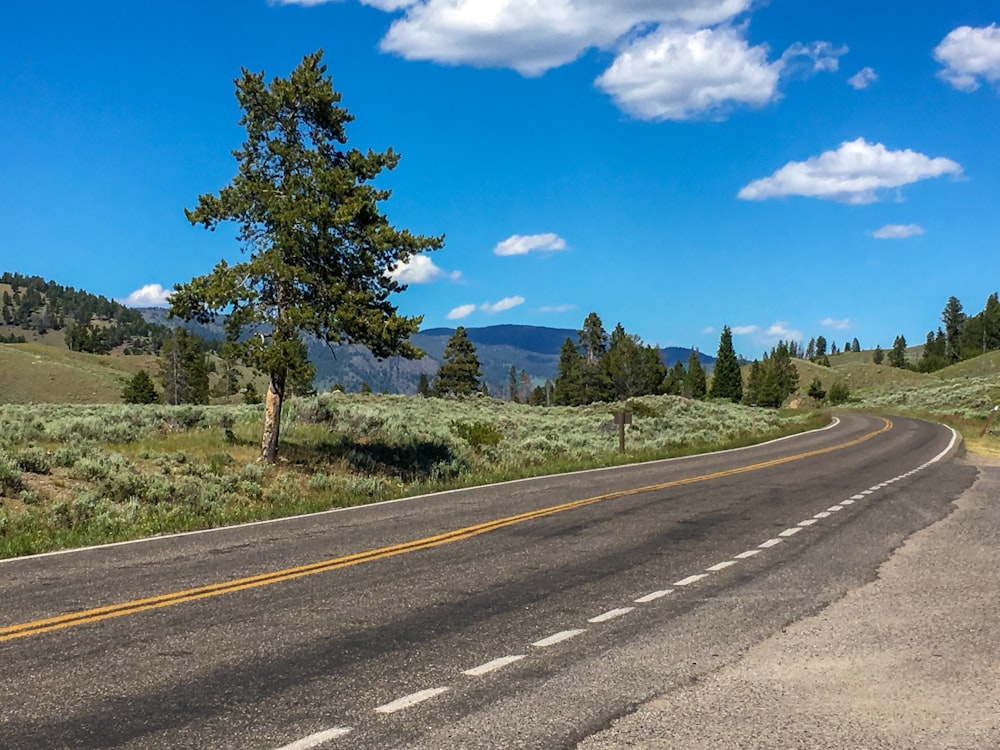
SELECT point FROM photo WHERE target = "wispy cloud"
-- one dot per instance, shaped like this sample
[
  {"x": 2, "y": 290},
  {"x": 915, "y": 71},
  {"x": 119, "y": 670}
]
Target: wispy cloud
[
  {"x": 835, "y": 324},
  {"x": 898, "y": 231},
  {"x": 522, "y": 244},
  {"x": 556, "y": 308},
  {"x": 462, "y": 311},
  {"x": 150, "y": 295},
  {"x": 420, "y": 269},
  {"x": 853, "y": 173},
  {"x": 863, "y": 78},
  {"x": 492, "y": 308}
]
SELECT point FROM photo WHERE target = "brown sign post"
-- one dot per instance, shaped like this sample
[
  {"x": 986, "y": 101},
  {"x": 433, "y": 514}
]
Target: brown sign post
[
  {"x": 622, "y": 418},
  {"x": 989, "y": 420}
]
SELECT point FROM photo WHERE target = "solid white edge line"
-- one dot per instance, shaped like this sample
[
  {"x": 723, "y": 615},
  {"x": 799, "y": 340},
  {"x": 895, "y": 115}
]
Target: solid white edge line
[
  {"x": 611, "y": 614},
  {"x": 250, "y": 524},
  {"x": 313, "y": 740},
  {"x": 410, "y": 700},
  {"x": 493, "y": 666},
  {"x": 653, "y": 597},
  {"x": 720, "y": 566},
  {"x": 563, "y": 635},
  {"x": 748, "y": 553},
  {"x": 690, "y": 579}
]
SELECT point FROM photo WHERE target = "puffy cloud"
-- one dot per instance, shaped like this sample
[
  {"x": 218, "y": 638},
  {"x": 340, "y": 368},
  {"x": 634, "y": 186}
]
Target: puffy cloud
[
  {"x": 420, "y": 269},
  {"x": 506, "y": 303},
  {"x": 674, "y": 75},
  {"x": 780, "y": 331},
  {"x": 520, "y": 244},
  {"x": 150, "y": 295},
  {"x": 837, "y": 325},
  {"x": 808, "y": 59},
  {"x": 863, "y": 78},
  {"x": 462, "y": 311},
  {"x": 744, "y": 330},
  {"x": 897, "y": 231},
  {"x": 853, "y": 173},
  {"x": 530, "y": 36},
  {"x": 970, "y": 56}
]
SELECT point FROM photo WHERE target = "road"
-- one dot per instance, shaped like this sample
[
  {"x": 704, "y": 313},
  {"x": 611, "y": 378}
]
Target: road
[{"x": 525, "y": 615}]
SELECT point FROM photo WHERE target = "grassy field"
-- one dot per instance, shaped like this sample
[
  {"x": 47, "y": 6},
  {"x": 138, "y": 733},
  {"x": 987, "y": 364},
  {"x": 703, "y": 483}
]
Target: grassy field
[{"x": 75, "y": 475}]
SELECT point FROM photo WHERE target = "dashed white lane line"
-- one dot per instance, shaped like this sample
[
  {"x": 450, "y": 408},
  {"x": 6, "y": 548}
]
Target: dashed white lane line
[
  {"x": 314, "y": 740},
  {"x": 835, "y": 508},
  {"x": 552, "y": 640},
  {"x": 865, "y": 493},
  {"x": 653, "y": 597},
  {"x": 807, "y": 522},
  {"x": 822, "y": 514},
  {"x": 410, "y": 700},
  {"x": 720, "y": 566},
  {"x": 769, "y": 543},
  {"x": 847, "y": 502},
  {"x": 690, "y": 579},
  {"x": 748, "y": 553},
  {"x": 791, "y": 531},
  {"x": 611, "y": 614},
  {"x": 859, "y": 496},
  {"x": 493, "y": 666}
]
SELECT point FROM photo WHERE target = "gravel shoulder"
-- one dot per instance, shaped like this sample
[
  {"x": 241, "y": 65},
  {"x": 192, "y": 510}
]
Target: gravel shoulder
[{"x": 911, "y": 660}]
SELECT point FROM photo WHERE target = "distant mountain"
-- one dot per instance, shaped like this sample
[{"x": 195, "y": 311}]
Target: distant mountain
[{"x": 534, "y": 349}]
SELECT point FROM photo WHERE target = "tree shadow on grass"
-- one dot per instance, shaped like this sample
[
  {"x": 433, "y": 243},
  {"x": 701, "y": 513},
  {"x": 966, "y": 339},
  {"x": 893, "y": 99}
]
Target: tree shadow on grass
[{"x": 410, "y": 462}]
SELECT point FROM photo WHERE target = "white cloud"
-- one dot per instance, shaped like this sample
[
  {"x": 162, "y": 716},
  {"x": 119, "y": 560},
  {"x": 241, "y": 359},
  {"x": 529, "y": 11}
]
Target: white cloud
[
  {"x": 780, "y": 331},
  {"x": 519, "y": 244},
  {"x": 863, "y": 78},
  {"x": 491, "y": 308},
  {"x": 770, "y": 336},
  {"x": 744, "y": 330},
  {"x": 420, "y": 269},
  {"x": 897, "y": 231},
  {"x": 462, "y": 311},
  {"x": 151, "y": 295},
  {"x": 531, "y": 36},
  {"x": 812, "y": 58},
  {"x": 556, "y": 308},
  {"x": 837, "y": 325},
  {"x": 709, "y": 330},
  {"x": 970, "y": 56},
  {"x": 854, "y": 173},
  {"x": 675, "y": 75}
]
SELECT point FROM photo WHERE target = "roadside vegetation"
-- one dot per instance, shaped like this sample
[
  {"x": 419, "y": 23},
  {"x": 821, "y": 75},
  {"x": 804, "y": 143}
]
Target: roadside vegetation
[{"x": 79, "y": 475}]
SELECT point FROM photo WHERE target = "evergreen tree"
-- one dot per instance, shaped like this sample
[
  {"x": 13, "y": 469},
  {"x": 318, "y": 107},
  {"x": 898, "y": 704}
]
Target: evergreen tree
[
  {"x": 139, "y": 389},
  {"x": 811, "y": 349},
  {"x": 183, "y": 369},
  {"x": 953, "y": 319},
  {"x": 820, "y": 346},
  {"x": 878, "y": 356},
  {"x": 423, "y": 386},
  {"x": 694, "y": 378},
  {"x": 755, "y": 382},
  {"x": 320, "y": 250},
  {"x": 727, "y": 381},
  {"x": 897, "y": 357},
  {"x": 512, "y": 383},
  {"x": 933, "y": 357},
  {"x": 460, "y": 371},
  {"x": 855, "y": 346},
  {"x": 673, "y": 384},
  {"x": 630, "y": 368},
  {"x": 568, "y": 388},
  {"x": 593, "y": 339}
]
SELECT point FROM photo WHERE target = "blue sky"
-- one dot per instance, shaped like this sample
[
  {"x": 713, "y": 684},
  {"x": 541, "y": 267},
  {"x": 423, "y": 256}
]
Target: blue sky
[{"x": 787, "y": 168}]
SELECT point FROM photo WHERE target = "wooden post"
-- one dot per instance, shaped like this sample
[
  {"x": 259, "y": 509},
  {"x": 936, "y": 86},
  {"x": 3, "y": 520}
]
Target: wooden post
[
  {"x": 622, "y": 418},
  {"x": 989, "y": 420}
]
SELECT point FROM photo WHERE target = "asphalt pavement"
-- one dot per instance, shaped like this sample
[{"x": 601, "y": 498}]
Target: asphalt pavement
[{"x": 909, "y": 660}]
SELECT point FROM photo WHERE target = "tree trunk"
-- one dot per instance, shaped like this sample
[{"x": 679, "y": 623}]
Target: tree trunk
[{"x": 272, "y": 417}]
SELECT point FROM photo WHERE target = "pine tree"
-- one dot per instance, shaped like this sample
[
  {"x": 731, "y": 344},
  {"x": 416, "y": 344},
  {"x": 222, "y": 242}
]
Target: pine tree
[
  {"x": 568, "y": 388},
  {"x": 459, "y": 373},
  {"x": 727, "y": 380},
  {"x": 673, "y": 384},
  {"x": 183, "y": 370},
  {"x": 878, "y": 356},
  {"x": 855, "y": 346},
  {"x": 139, "y": 389},
  {"x": 897, "y": 357},
  {"x": 423, "y": 386},
  {"x": 631, "y": 368},
  {"x": 820, "y": 346},
  {"x": 512, "y": 383},
  {"x": 953, "y": 319},
  {"x": 694, "y": 378},
  {"x": 320, "y": 250}
]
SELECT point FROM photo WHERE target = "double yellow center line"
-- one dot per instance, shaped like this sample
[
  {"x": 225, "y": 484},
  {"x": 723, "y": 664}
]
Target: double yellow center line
[{"x": 97, "y": 614}]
